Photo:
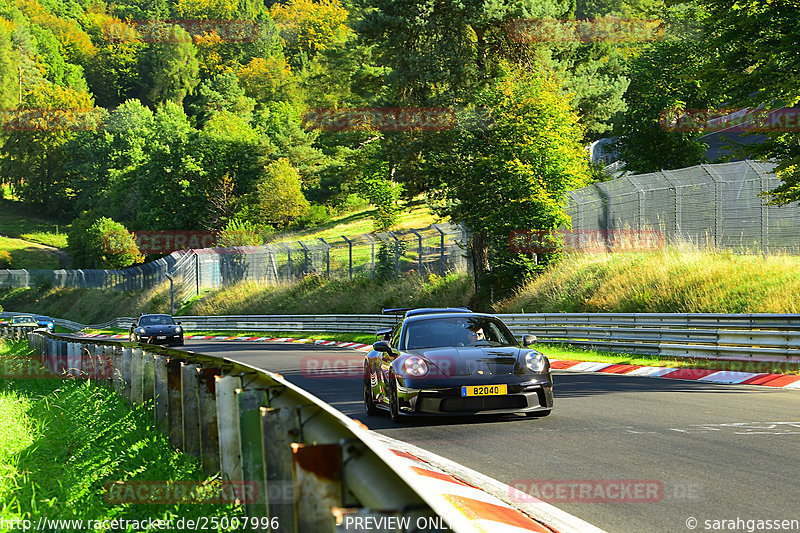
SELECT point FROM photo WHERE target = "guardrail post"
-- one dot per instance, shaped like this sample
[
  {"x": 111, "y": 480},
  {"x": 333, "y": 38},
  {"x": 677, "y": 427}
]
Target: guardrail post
[
  {"x": 190, "y": 409},
  {"x": 230, "y": 459},
  {"x": 161, "y": 392},
  {"x": 108, "y": 365},
  {"x": 209, "y": 430},
  {"x": 279, "y": 430},
  {"x": 148, "y": 381},
  {"x": 137, "y": 368},
  {"x": 125, "y": 373},
  {"x": 318, "y": 474},
  {"x": 116, "y": 371},
  {"x": 174, "y": 403},
  {"x": 250, "y": 402}
]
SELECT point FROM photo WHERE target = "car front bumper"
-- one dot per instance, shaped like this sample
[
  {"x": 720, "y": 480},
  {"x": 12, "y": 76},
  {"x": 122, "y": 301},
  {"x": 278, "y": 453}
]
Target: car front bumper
[
  {"x": 161, "y": 339},
  {"x": 521, "y": 398}
]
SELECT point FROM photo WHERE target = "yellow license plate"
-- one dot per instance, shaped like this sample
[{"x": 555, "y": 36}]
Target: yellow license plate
[{"x": 484, "y": 390}]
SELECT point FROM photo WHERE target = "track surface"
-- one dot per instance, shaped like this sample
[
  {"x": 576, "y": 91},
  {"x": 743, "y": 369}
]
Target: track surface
[{"x": 720, "y": 451}]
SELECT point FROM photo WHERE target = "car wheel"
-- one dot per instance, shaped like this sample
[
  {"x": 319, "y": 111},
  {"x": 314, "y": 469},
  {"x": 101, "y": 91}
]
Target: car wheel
[
  {"x": 538, "y": 414},
  {"x": 369, "y": 401},
  {"x": 394, "y": 403}
]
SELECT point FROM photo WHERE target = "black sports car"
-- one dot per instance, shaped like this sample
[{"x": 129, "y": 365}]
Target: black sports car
[
  {"x": 455, "y": 362},
  {"x": 156, "y": 329}
]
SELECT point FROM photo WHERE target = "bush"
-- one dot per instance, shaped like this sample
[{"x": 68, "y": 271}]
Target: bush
[
  {"x": 316, "y": 215},
  {"x": 239, "y": 233},
  {"x": 5, "y": 259},
  {"x": 102, "y": 243}
]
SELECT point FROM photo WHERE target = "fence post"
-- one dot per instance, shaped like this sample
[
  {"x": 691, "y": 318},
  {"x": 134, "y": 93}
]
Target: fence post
[
  {"x": 318, "y": 474},
  {"x": 371, "y": 254},
  {"x": 137, "y": 363},
  {"x": 349, "y": 254},
  {"x": 288, "y": 261},
  {"x": 125, "y": 373},
  {"x": 419, "y": 250},
  {"x": 441, "y": 249},
  {"x": 189, "y": 409},
  {"x": 161, "y": 392},
  {"x": 396, "y": 253},
  {"x": 148, "y": 381},
  {"x": 327, "y": 257},
  {"x": 230, "y": 460},
  {"x": 305, "y": 253}
]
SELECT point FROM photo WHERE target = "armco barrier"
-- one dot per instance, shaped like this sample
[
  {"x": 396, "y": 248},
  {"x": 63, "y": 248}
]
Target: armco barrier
[
  {"x": 300, "y": 461},
  {"x": 758, "y": 337}
]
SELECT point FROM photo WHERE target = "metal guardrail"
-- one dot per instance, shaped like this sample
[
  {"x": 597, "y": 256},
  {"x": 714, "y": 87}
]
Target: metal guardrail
[
  {"x": 296, "y": 458},
  {"x": 757, "y": 337}
]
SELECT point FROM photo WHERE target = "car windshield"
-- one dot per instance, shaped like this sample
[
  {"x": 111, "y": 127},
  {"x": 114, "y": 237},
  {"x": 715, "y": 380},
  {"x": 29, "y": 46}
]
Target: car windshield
[
  {"x": 22, "y": 319},
  {"x": 157, "y": 320},
  {"x": 456, "y": 331}
]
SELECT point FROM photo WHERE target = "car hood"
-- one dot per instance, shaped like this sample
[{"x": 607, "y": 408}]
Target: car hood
[
  {"x": 159, "y": 330},
  {"x": 474, "y": 360}
]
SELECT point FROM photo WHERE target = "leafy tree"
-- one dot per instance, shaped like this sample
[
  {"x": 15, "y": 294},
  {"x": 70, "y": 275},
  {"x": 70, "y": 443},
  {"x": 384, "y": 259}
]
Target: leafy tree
[
  {"x": 512, "y": 174},
  {"x": 662, "y": 79},
  {"x": 308, "y": 27},
  {"x": 279, "y": 197},
  {"x": 239, "y": 233},
  {"x": 220, "y": 93},
  {"x": 8, "y": 69},
  {"x": 169, "y": 70},
  {"x": 102, "y": 243},
  {"x": 267, "y": 79}
]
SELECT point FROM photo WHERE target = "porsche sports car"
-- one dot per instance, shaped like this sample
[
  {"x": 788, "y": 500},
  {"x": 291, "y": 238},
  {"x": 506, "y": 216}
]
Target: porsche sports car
[
  {"x": 156, "y": 329},
  {"x": 455, "y": 362}
]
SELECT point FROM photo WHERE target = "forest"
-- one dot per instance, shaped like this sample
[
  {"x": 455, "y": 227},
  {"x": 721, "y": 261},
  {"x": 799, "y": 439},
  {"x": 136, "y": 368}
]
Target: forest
[{"x": 199, "y": 114}]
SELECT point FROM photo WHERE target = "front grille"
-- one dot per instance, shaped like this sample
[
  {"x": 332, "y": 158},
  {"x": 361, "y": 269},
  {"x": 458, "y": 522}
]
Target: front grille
[{"x": 482, "y": 403}]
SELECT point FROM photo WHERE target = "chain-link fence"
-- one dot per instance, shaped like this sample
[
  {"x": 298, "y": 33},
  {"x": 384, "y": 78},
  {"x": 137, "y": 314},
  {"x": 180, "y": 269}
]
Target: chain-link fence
[
  {"x": 720, "y": 206},
  {"x": 437, "y": 249}
]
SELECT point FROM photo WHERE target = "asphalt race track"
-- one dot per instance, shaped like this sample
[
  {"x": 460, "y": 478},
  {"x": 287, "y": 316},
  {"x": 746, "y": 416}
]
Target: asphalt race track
[{"x": 720, "y": 452}]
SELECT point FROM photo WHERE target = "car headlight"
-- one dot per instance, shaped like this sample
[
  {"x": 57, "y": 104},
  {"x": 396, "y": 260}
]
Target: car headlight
[
  {"x": 177, "y": 329},
  {"x": 141, "y": 331},
  {"x": 536, "y": 362},
  {"x": 415, "y": 366},
  {"x": 50, "y": 325}
]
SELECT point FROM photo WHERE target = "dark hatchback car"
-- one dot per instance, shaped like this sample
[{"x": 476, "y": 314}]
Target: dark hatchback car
[
  {"x": 455, "y": 362},
  {"x": 46, "y": 322},
  {"x": 156, "y": 329}
]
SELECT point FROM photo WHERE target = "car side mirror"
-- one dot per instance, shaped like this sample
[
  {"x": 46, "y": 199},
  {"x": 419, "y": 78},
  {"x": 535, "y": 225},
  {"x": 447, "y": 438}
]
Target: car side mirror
[
  {"x": 178, "y": 323},
  {"x": 527, "y": 340},
  {"x": 383, "y": 346},
  {"x": 133, "y": 325}
]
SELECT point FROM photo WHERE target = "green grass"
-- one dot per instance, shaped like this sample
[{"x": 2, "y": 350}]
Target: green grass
[
  {"x": 344, "y": 336},
  {"x": 25, "y": 254},
  {"x": 673, "y": 280},
  {"x": 87, "y": 306},
  {"x": 62, "y": 441},
  {"x": 317, "y": 295},
  {"x": 16, "y": 222},
  {"x": 415, "y": 215}
]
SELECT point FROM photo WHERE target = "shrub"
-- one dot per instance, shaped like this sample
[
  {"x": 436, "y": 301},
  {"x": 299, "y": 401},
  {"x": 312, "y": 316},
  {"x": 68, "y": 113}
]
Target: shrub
[{"x": 5, "y": 259}]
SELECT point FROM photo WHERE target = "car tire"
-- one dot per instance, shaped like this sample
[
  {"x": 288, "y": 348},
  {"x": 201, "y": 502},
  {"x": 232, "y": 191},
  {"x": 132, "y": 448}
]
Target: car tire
[
  {"x": 394, "y": 403},
  {"x": 539, "y": 414},
  {"x": 369, "y": 401}
]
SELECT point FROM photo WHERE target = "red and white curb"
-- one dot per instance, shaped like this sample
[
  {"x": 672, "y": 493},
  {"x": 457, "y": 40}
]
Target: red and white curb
[
  {"x": 786, "y": 381},
  {"x": 488, "y": 509}
]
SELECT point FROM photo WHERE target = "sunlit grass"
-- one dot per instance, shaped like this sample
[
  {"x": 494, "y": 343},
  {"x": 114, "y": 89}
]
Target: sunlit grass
[
  {"x": 62, "y": 441},
  {"x": 16, "y": 222},
  {"x": 25, "y": 254}
]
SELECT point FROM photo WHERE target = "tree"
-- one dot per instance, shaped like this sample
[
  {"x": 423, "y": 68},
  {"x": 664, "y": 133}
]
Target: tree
[
  {"x": 239, "y": 233},
  {"x": 663, "y": 78},
  {"x": 103, "y": 243},
  {"x": 169, "y": 70},
  {"x": 512, "y": 174},
  {"x": 280, "y": 198},
  {"x": 308, "y": 27}
]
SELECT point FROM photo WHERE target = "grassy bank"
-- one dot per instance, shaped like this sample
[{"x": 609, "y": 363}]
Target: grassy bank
[
  {"x": 63, "y": 441},
  {"x": 25, "y": 254},
  {"x": 16, "y": 222},
  {"x": 87, "y": 306},
  {"x": 667, "y": 281},
  {"x": 315, "y": 295}
]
